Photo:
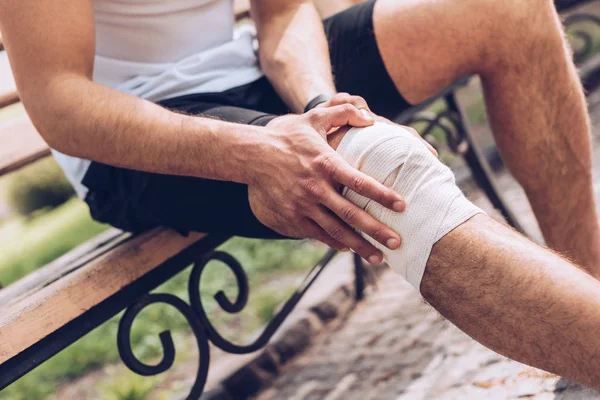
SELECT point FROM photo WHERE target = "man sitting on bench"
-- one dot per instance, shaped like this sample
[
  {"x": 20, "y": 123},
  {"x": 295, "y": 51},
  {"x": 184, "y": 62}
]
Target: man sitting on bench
[{"x": 216, "y": 156}]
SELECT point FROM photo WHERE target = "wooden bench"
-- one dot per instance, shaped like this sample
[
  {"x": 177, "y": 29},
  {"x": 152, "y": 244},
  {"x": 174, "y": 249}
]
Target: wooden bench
[{"x": 45, "y": 312}]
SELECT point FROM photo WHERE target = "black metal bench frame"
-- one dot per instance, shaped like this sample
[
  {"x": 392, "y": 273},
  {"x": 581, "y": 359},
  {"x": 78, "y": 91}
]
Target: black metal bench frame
[{"x": 135, "y": 297}]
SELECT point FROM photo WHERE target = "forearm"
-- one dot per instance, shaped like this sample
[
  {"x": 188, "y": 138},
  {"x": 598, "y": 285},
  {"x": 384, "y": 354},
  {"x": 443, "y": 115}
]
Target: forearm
[
  {"x": 294, "y": 53},
  {"x": 94, "y": 122}
]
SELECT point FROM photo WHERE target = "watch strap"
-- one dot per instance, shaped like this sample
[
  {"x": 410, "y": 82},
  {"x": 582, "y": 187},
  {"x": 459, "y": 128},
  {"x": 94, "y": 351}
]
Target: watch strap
[{"x": 320, "y": 99}]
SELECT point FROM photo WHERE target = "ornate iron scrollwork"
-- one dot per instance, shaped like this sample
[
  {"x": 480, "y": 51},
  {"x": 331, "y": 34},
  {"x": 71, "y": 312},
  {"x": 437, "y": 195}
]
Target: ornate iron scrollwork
[
  {"x": 198, "y": 320},
  {"x": 226, "y": 305},
  {"x": 131, "y": 361},
  {"x": 447, "y": 121},
  {"x": 575, "y": 26}
]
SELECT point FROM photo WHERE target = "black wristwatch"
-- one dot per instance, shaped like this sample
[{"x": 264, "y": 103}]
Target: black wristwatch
[{"x": 320, "y": 99}]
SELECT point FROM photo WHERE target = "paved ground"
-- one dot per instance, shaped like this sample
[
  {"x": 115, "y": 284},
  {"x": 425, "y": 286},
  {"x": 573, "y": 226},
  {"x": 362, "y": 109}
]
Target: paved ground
[{"x": 394, "y": 346}]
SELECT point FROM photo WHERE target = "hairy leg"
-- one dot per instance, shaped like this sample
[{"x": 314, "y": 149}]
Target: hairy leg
[
  {"x": 517, "y": 298},
  {"x": 512, "y": 295},
  {"x": 533, "y": 95}
]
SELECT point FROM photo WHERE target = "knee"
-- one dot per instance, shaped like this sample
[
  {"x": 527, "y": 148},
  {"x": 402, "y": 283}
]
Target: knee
[
  {"x": 435, "y": 205},
  {"x": 384, "y": 151}
]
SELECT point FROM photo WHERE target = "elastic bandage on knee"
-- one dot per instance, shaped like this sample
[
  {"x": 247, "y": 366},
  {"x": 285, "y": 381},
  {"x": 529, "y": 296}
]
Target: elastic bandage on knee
[{"x": 435, "y": 205}]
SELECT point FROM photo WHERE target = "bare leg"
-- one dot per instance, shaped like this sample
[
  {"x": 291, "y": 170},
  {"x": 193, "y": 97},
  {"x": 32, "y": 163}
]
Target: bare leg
[
  {"x": 534, "y": 98},
  {"x": 517, "y": 298}
]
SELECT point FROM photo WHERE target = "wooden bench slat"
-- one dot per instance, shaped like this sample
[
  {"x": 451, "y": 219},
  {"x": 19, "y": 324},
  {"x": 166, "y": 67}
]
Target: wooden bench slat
[
  {"x": 20, "y": 145},
  {"x": 49, "y": 308},
  {"x": 8, "y": 91},
  {"x": 8, "y": 99},
  {"x": 62, "y": 266},
  {"x": 7, "y": 81}
]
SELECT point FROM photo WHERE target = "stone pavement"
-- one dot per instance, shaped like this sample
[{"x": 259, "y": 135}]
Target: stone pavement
[{"x": 394, "y": 346}]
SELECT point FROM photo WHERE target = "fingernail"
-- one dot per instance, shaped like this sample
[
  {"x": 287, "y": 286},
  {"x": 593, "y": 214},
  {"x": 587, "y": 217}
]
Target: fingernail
[
  {"x": 399, "y": 206},
  {"x": 374, "y": 259},
  {"x": 345, "y": 250},
  {"x": 367, "y": 115},
  {"x": 393, "y": 244}
]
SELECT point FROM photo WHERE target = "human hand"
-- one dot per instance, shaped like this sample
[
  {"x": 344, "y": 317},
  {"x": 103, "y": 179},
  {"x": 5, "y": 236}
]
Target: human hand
[
  {"x": 341, "y": 98},
  {"x": 295, "y": 187},
  {"x": 360, "y": 103}
]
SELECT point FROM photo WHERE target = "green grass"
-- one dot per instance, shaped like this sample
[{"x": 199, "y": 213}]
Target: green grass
[
  {"x": 128, "y": 387},
  {"x": 476, "y": 112},
  {"x": 27, "y": 244},
  {"x": 35, "y": 187},
  {"x": 268, "y": 302}
]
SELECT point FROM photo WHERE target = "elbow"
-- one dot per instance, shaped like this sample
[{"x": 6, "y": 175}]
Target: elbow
[
  {"x": 52, "y": 113},
  {"x": 50, "y": 128},
  {"x": 270, "y": 63},
  {"x": 274, "y": 59},
  {"x": 55, "y": 139}
]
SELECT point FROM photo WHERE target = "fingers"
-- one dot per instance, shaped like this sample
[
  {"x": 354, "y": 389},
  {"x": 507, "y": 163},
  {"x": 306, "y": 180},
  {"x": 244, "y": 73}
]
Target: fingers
[
  {"x": 316, "y": 232},
  {"x": 358, "y": 218},
  {"x": 346, "y": 98},
  {"x": 342, "y": 233},
  {"x": 341, "y": 172},
  {"x": 324, "y": 119}
]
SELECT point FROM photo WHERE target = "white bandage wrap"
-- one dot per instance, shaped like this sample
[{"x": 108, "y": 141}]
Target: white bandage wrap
[{"x": 435, "y": 205}]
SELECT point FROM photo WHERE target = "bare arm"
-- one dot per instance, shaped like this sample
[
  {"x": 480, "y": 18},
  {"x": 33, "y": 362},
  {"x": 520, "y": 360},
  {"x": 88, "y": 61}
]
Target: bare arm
[
  {"x": 51, "y": 49},
  {"x": 293, "y": 50}
]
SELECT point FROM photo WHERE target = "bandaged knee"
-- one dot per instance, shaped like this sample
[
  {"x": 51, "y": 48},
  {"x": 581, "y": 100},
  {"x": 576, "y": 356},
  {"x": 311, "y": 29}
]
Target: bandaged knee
[{"x": 434, "y": 204}]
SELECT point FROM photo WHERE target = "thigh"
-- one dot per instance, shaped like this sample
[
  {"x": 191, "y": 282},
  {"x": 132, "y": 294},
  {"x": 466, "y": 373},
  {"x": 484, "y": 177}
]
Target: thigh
[
  {"x": 136, "y": 201},
  {"x": 428, "y": 44},
  {"x": 356, "y": 62}
]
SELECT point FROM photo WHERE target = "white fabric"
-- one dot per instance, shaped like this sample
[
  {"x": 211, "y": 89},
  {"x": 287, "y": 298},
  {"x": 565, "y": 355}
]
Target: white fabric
[
  {"x": 74, "y": 169},
  {"x": 157, "y": 49},
  {"x": 435, "y": 205}
]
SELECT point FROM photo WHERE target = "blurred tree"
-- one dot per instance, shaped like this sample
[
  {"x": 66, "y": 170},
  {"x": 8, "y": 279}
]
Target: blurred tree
[{"x": 37, "y": 186}]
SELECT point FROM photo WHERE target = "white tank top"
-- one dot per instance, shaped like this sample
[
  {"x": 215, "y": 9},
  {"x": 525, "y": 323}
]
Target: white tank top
[{"x": 160, "y": 49}]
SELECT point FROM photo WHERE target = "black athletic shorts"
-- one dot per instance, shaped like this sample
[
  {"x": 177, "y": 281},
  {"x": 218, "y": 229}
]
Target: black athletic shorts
[{"x": 136, "y": 201}]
